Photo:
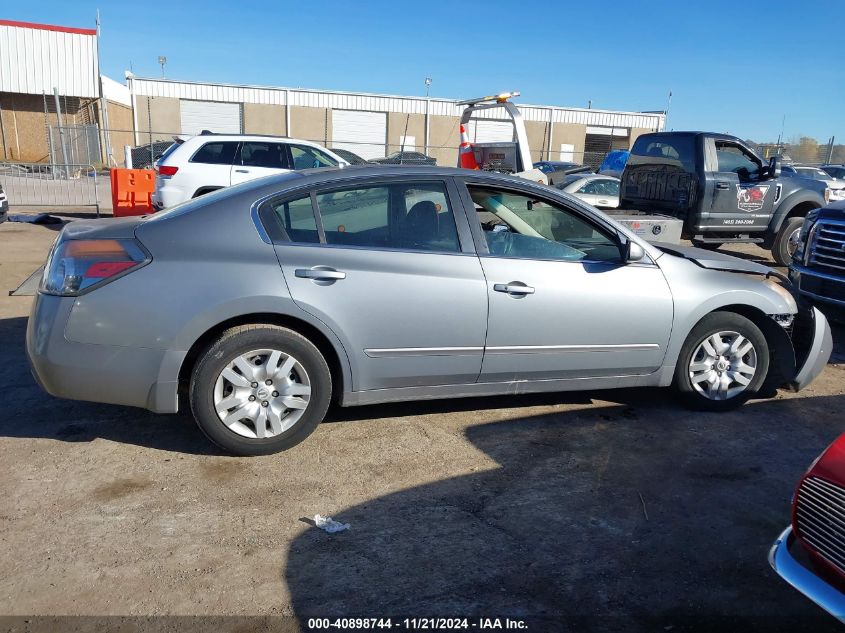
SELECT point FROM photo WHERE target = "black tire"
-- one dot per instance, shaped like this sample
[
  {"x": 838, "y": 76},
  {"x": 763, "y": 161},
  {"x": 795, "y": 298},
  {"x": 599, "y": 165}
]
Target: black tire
[
  {"x": 712, "y": 324},
  {"x": 240, "y": 340},
  {"x": 780, "y": 249}
]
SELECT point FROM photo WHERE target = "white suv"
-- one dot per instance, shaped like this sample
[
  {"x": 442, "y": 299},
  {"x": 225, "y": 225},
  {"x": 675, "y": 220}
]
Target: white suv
[{"x": 199, "y": 164}]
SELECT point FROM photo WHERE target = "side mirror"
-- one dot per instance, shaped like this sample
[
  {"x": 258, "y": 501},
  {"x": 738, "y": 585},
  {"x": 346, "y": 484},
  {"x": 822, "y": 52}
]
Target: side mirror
[
  {"x": 634, "y": 252},
  {"x": 774, "y": 167}
]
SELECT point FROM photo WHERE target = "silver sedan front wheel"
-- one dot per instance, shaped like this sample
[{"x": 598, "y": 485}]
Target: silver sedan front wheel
[
  {"x": 723, "y": 365},
  {"x": 262, "y": 393}
]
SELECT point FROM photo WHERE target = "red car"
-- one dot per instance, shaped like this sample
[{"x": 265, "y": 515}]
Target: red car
[{"x": 810, "y": 554}]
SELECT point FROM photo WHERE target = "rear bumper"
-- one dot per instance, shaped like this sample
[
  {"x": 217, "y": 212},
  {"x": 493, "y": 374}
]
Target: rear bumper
[
  {"x": 130, "y": 376},
  {"x": 816, "y": 589}
]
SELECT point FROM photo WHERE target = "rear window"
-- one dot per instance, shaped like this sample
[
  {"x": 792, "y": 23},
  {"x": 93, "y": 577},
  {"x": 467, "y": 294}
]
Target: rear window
[
  {"x": 216, "y": 153},
  {"x": 678, "y": 151},
  {"x": 169, "y": 151}
]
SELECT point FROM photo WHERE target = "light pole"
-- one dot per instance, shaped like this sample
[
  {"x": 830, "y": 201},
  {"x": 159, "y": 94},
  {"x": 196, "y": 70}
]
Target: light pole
[
  {"x": 666, "y": 115},
  {"x": 427, "y": 86},
  {"x": 162, "y": 60}
]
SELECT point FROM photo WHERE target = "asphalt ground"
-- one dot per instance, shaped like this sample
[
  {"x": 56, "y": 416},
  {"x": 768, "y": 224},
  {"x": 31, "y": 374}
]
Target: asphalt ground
[{"x": 615, "y": 510}]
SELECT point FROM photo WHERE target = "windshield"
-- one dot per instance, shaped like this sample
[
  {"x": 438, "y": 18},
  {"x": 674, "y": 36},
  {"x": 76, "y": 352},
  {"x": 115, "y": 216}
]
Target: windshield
[{"x": 811, "y": 172}]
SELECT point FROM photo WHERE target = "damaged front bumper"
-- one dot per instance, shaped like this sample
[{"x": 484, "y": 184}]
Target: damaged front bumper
[{"x": 813, "y": 344}]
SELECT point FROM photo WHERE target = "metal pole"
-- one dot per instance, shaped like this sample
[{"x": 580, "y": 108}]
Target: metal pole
[
  {"x": 3, "y": 135},
  {"x": 287, "y": 112},
  {"x": 830, "y": 150},
  {"x": 104, "y": 109},
  {"x": 61, "y": 129}
]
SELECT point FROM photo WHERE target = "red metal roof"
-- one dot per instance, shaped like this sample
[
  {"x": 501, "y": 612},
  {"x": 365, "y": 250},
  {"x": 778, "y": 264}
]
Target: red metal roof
[{"x": 48, "y": 27}]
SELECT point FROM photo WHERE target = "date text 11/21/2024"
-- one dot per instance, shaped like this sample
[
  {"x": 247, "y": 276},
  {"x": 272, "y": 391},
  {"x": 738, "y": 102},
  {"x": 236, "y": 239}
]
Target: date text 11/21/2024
[{"x": 416, "y": 624}]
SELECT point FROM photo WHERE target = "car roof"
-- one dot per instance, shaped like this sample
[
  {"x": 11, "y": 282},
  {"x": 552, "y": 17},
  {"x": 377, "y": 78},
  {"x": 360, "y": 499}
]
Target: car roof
[
  {"x": 251, "y": 137},
  {"x": 330, "y": 175}
]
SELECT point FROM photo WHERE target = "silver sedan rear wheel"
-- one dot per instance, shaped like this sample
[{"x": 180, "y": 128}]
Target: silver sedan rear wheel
[
  {"x": 262, "y": 393},
  {"x": 723, "y": 365}
]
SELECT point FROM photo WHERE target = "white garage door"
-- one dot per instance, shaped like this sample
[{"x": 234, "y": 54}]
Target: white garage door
[
  {"x": 483, "y": 131},
  {"x": 214, "y": 116},
  {"x": 364, "y": 133}
]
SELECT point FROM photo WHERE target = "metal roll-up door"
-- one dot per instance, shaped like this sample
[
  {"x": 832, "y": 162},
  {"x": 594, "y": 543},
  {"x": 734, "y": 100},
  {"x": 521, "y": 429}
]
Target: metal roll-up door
[
  {"x": 364, "y": 133},
  {"x": 484, "y": 131},
  {"x": 214, "y": 116}
]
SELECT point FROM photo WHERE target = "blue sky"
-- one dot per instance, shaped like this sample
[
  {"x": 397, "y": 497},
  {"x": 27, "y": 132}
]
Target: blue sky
[{"x": 729, "y": 70}]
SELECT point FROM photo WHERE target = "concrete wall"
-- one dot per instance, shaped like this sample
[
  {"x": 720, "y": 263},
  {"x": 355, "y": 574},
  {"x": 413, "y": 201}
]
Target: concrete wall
[
  {"x": 444, "y": 138},
  {"x": 396, "y": 124},
  {"x": 310, "y": 124},
  {"x": 119, "y": 130},
  {"x": 161, "y": 115},
  {"x": 23, "y": 132},
  {"x": 637, "y": 131},
  {"x": 260, "y": 118}
]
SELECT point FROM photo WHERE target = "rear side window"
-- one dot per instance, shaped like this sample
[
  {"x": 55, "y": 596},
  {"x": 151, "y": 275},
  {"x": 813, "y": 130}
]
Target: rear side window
[
  {"x": 305, "y": 157},
  {"x": 216, "y": 153},
  {"x": 264, "y": 154},
  {"x": 412, "y": 216},
  {"x": 297, "y": 217}
]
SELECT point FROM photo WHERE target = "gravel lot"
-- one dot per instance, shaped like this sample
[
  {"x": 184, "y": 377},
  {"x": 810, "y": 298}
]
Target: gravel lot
[{"x": 601, "y": 510}]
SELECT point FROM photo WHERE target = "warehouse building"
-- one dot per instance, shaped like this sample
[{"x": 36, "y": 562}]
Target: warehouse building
[
  {"x": 371, "y": 125},
  {"x": 53, "y": 103}
]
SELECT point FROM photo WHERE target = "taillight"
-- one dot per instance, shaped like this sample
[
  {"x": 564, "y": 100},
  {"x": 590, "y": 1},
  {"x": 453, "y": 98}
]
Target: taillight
[
  {"x": 74, "y": 266},
  {"x": 167, "y": 170}
]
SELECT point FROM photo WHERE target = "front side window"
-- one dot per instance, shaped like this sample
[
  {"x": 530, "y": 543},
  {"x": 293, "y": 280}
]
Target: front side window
[
  {"x": 263, "y": 154},
  {"x": 305, "y": 157},
  {"x": 518, "y": 225},
  {"x": 297, "y": 218},
  {"x": 413, "y": 216},
  {"x": 733, "y": 158},
  {"x": 216, "y": 153}
]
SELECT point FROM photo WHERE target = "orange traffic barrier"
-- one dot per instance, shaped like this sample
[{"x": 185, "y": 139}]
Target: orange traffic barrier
[
  {"x": 466, "y": 152},
  {"x": 132, "y": 191}
]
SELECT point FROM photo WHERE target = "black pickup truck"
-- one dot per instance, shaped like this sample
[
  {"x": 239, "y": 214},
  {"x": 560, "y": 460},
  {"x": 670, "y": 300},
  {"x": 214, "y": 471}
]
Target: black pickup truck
[
  {"x": 720, "y": 189},
  {"x": 818, "y": 265}
]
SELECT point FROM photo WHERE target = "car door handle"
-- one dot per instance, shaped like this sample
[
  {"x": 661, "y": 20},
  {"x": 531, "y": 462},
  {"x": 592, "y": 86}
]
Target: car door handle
[
  {"x": 514, "y": 288},
  {"x": 241, "y": 171},
  {"x": 722, "y": 185},
  {"x": 320, "y": 274},
  {"x": 602, "y": 201}
]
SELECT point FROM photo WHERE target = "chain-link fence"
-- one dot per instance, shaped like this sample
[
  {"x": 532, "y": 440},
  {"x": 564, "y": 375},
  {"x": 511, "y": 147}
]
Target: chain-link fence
[
  {"x": 442, "y": 151},
  {"x": 74, "y": 144}
]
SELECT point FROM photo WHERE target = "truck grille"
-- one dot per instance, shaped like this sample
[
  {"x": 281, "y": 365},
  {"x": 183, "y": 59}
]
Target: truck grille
[
  {"x": 820, "y": 519},
  {"x": 827, "y": 249}
]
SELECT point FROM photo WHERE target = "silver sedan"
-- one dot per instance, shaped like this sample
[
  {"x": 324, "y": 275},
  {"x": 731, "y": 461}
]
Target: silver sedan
[
  {"x": 595, "y": 189},
  {"x": 258, "y": 305}
]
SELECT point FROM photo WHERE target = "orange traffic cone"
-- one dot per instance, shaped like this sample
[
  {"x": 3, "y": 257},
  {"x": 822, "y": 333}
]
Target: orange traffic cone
[{"x": 466, "y": 153}]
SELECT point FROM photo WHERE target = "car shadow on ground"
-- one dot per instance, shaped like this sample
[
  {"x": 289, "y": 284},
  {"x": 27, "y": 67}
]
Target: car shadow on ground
[{"x": 635, "y": 518}]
